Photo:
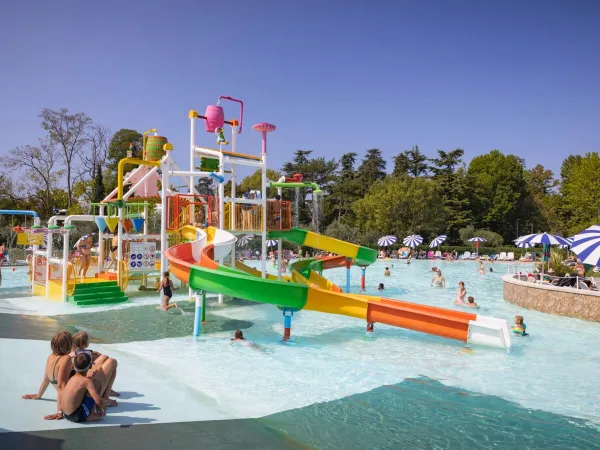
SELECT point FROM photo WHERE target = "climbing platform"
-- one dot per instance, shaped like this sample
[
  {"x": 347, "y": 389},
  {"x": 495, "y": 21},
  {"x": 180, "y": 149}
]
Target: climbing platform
[{"x": 97, "y": 293}]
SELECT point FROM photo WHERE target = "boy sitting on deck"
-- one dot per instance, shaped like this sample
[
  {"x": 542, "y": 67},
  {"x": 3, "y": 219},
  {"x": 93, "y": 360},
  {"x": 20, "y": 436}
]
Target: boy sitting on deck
[{"x": 80, "y": 399}]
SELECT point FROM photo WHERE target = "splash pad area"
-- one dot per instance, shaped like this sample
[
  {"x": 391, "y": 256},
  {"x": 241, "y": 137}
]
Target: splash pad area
[{"x": 331, "y": 386}]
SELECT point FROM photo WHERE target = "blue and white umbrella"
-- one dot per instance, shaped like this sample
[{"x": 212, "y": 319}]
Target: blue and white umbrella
[
  {"x": 477, "y": 240},
  {"x": 413, "y": 240},
  {"x": 438, "y": 241},
  {"x": 386, "y": 241},
  {"x": 570, "y": 240},
  {"x": 271, "y": 242},
  {"x": 522, "y": 244},
  {"x": 586, "y": 245},
  {"x": 544, "y": 238},
  {"x": 522, "y": 238},
  {"x": 245, "y": 239}
]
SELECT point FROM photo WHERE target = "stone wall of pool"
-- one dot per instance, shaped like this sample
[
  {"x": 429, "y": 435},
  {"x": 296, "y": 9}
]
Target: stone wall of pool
[{"x": 569, "y": 302}]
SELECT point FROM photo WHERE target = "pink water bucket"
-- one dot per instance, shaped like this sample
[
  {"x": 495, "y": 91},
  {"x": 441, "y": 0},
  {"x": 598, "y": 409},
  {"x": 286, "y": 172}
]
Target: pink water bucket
[{"x": 215, "y": 118}]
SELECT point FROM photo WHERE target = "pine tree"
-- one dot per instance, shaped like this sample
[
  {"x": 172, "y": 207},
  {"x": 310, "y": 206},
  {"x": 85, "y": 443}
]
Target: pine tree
[
  {"x": 371, "y": 169},
  {"x": 98, "y": 190}
]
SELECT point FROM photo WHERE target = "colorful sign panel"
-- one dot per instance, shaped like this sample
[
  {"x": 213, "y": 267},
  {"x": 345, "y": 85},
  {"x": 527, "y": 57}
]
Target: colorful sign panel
[{"x": 142, "y": 257}]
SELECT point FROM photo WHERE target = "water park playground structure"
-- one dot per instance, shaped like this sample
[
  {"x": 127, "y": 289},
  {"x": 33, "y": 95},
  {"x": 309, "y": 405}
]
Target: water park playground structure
[{"x": 198, "y": 235}]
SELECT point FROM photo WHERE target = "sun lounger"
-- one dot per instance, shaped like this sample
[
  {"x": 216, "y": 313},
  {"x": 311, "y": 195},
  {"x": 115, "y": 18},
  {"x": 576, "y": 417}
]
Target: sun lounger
[
  {"x": 502, "y": 256},
  {"x": 465, "y": 255},
  {"x": 510, "y": 256},
  {"x": 438, "y": 254}
]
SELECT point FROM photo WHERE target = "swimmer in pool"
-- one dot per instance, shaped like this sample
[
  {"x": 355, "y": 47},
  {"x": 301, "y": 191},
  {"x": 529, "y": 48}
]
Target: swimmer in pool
[
  {"x": 438, "y": 279},
  {"x": 520, "y": 327},
  {"x": 481, "y": 267},
  {"x": 461, "y": 293},
  {"x": 238, "y": 337},
  {"x": 386, "y": 272},
  {"x": 381, "y": 287},
  {"x": 471, "y": 303}
]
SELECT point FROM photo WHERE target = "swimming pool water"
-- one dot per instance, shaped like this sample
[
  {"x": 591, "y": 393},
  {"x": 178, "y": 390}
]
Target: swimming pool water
[{"x": 327, "y": 383}]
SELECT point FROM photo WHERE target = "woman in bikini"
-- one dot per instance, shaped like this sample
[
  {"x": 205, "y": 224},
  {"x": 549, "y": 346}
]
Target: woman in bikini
[
  {"x": 57, "y": 371},
  {"x": 167, "y": 287},
  {"x": 84, "y": 246}
]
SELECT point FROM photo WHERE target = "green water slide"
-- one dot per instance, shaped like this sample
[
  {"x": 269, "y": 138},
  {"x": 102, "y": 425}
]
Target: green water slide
[{"x": 362, "y": 256}]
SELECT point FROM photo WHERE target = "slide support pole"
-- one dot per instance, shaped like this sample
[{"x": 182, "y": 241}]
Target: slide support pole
[
  {"x": 203, "y": 316},
  {"x": 198, "y": 314},
  {"x": 287, "y": 323},
  {"x": 362, "y": 278},
  {"x": 348, "y": 262}
]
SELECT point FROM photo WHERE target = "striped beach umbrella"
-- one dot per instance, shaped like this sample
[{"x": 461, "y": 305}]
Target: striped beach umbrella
[
  {"x": 386, "y": 241},
  {"x": 586, "y": 245},
  {"x": 413, "y": 240},
  {"x": 271, "y": 242},
  {"x": 544, "y": 238},
  {"x": 523, "y": 244},
  {"x": 570, "y": 240},
  {"x": 477, "y": 240},
  {"x": 244, "y": 239},
  {"x": 438, "y": 241}
]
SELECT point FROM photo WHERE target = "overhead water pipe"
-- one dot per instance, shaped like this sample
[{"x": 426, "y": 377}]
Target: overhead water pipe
[{"x": 314, "y": 186}]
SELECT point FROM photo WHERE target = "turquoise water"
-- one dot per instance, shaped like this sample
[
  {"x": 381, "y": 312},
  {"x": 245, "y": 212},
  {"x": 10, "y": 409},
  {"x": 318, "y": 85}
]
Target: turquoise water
[{"x": 333, "y": 386}]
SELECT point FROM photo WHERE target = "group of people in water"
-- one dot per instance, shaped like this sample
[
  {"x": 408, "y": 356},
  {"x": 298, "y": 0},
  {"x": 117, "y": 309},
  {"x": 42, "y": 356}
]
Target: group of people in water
[{"x": 83, "y": 379}]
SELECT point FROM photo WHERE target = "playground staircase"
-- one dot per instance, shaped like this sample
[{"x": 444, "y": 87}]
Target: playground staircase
[{"x": 97, "y": 293}]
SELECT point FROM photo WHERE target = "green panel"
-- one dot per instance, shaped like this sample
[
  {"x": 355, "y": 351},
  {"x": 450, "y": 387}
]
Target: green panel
[
  {"x": 365, "y": 256},
  {"x": 209, "y": 164},
  {"x": 296, "y": 235},
  {"x": 225, "y": 281}
]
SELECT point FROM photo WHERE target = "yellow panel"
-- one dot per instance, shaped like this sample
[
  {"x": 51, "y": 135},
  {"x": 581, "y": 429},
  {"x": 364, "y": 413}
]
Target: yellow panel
[
  {"x": 189, "y": 233},
  {"x": 336, "y": 303},
  {"x": 328, "y": 244},
  {"x": 320, "y": 281},
  {"x": 55, "y": 287}
]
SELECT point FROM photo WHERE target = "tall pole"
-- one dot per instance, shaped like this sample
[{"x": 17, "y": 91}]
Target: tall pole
[
  {"x": 100, "y": 244},
  {"x": 163, "y": 214},
  {"x": 233, "y": 178},
  {"x": 192, "y": 115},
  {"x": 279, "y": 242},
  {"x": 517, "y": 228},
  {"x": 264, "y": 205}
]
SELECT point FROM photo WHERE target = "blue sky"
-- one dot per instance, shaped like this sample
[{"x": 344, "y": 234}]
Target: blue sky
[{"x": 333, "y": 76}]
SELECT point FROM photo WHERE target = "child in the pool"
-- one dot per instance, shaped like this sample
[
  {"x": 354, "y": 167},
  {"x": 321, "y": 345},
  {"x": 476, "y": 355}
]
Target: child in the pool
[
  {"x": 471, "y": 302},
  {"x": 386, "y": 272},
  {"x": 381, "y": 287},
  {"x": 519, "y": 327},
  {"x": 461, "y": 293}
]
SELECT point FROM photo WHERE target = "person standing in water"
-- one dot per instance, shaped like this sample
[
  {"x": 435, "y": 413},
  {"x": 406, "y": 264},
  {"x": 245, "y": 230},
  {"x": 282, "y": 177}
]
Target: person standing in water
[
  {"x": 461, "y": 293},
  {"x": 2, "y": 257},
  {"x": 386, "y": 272},
  {"x": 167, "y": 287},
  {"x": 438, "y": 279}
]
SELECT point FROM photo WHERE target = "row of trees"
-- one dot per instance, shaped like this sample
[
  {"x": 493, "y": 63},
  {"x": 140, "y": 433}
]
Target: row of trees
[{"x": 495, "y": 195}]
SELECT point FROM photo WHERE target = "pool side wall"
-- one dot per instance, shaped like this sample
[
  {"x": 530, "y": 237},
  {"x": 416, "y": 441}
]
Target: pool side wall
[{"x": 552, "y": 299}]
